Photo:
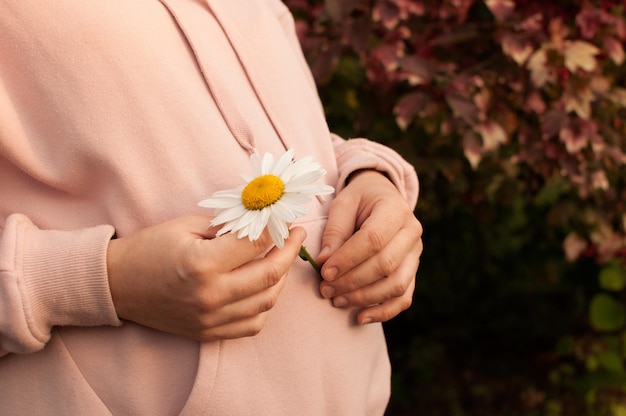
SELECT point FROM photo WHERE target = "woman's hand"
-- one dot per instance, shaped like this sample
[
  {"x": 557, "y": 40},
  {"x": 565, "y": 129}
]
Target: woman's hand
[
  {"x": 177, "y": 278},
  {"x": 371, "y": 249}
]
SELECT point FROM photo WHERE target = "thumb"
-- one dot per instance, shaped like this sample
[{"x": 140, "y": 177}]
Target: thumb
[
  {"x": 201, "y": 226},
  {"x": 339, "y": 228}
]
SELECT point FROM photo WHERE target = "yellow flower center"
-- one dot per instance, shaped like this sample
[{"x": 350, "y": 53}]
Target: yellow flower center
[{"x": 262, "y": 192}]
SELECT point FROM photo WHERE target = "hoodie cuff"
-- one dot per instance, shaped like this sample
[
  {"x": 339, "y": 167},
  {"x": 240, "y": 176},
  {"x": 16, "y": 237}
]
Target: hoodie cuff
[
  {"x": 64, "y": 277},
  {"x": 359, "y": 154}
]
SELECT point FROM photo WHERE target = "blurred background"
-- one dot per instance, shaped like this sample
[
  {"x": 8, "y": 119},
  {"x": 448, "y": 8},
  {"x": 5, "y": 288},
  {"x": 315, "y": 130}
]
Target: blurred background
[{"x": 513, "y": 113}]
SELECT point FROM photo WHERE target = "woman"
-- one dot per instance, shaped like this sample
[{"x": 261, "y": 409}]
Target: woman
[{"x": 117, "y": 298}]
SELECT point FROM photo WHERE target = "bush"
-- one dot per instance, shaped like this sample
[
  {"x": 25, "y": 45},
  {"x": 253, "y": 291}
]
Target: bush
[{"x": 513, "y": 114}]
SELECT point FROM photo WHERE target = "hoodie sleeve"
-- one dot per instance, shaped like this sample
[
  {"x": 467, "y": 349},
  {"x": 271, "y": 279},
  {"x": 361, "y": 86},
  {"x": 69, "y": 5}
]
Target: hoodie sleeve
[
  {"x": 49, "y": 278},
  {"x": 359, "y": 154}
]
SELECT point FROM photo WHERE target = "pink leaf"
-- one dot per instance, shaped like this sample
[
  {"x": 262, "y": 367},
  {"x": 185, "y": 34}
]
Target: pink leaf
[
  {"x": 493, "y": 135},
  {"x": 588, "y": 22},
  {"x": 535, "y": 103},
  {"x": 574, "y": 141},
  {"x": 413, "y": 7},
  {"x": 462, "y": 107},
  {"x": 599, "y": 180},
  {"x": 516, "y": 48},
  {"x": 579, "y": 54},
  {"x": 387, "y": 13},
  {"x": 574, "y": 246},
  {"x": 579, "y": 101},
  {"x": 408, "y": 107},
  {"x": 472, "y": 149},
  {"x": 540, "y": 73},
  {"x": 501, "y": 9},
  {"x": 532, "y": 24},
  {"x": 338, "y": 9},
  {"x": 615, "y": 49},
  {"x": 418, "y": 68},
  {"x": 387, "y": 55}
]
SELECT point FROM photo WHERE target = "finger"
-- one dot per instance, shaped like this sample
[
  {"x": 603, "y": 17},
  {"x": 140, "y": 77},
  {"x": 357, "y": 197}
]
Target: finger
[
  {"x": 396, "y": 285},
  {"x": 375, "y": 233},
  {"x": 385, "y": 311},
  {"x": 239, "y": 251},
  {"x": 342, "y": 220},
  {"x": 238, "y": 329},
  {"x": 380, "y": 265},
  {"x": 258, "y": 274},
  {"x": 245, "y": 308},
  {"x": 201, "y": 226}
]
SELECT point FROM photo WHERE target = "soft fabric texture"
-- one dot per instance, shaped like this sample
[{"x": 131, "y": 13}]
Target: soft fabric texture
[{"x": 121, "y": 114}]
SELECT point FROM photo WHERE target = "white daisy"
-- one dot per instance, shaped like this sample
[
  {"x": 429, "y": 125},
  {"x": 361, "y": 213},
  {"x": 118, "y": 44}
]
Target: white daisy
[{"x": 272, "y": 197}]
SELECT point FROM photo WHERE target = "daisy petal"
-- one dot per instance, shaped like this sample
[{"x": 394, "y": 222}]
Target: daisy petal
[
  {"x": 299, "y": 179},
  {"x": 267, "y": 163},
  {"x": 221, "y": 202},
  {"x": 297, "y": 210},
  {"x": 295, "y": 199},
  {"x": 283, "y": 163},
  {"x": 255, "y": 164},
  {"x": 308, "y": 189},
  {"x": 229, "y": 215},
  {"x": 278, "y": 231},
  {"x": 257, "y": 227},
  {"x": 281, "y": 211},
  {"x": 246, "y": 219}
]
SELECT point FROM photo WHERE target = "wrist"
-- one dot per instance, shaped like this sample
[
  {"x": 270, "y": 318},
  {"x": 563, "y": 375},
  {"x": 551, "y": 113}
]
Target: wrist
[{"x": 113, "y": 274}]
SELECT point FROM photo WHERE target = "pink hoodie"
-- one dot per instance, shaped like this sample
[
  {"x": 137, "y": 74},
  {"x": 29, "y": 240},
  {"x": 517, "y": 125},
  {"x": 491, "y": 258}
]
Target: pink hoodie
[{"x": 121, "y": 114}]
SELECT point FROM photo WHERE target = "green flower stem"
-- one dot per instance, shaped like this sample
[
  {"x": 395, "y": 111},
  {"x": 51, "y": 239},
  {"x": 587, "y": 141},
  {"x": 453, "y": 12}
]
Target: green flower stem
[{"x": 304, "y": 255}]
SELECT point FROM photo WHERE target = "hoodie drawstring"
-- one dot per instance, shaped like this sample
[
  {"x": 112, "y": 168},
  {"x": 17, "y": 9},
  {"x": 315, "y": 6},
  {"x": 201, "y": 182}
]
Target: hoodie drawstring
[{"x": 234, "y": 120}]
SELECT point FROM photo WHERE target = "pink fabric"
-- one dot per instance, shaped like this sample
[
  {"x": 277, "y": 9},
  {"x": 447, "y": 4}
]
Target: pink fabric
[{"x": 117, "y": 115}]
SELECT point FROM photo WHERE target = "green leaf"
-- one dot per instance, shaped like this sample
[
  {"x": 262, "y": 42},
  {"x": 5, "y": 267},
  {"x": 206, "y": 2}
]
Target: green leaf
[
  {"x": 552, "y": 191},
  {"x": 612, "y": 277},
  {"x": 591, "y": 363},
  {"x": 605, "y": 313},
  {"x": 611, "y": 361}
]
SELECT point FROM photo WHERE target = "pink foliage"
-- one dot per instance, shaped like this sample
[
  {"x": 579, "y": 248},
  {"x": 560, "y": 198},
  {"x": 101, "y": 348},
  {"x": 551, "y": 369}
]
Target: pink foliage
[{"x": 541, "y": 82}]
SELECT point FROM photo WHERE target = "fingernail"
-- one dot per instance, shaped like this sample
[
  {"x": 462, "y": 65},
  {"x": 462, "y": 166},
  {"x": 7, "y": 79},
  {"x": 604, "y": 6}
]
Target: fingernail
[
  {"x": 330, "y": 273},
  {"x": 340, "y": 302},
  {"x": 366, "y": 321},
  {"x": 324, "y": 251},
  {"x": 328, "y": 291}
]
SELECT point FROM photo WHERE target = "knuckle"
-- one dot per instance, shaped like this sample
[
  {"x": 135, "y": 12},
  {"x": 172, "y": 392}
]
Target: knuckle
[
  {"x": 418, "y": 231},
  {"x": 273, "y": 275},
  {"x": 252, "y": 331},
  {"x": 398, "y": 288},
  {"x": 347, "y": 284},
  {"x": 267, "y": 304},
  {"x": 387, "y": 316},
  {"x": 419, "y": 227},
  {"x": 207, "y": 301},
  {"x": 406, "y": 302},
  {"x": 341, "y": 202},
  {"x": 360, "y": 298},
  {"x": 375, "y": 239},
  {"x": 194, "y": 266},
  {"x": 255, "y": 327},
  {"x": 353, "y": 298},
  {"x": 386, "y": 264},
  {"x": 333, "y": 231},
  {"x": 188, "y": 267},
  {"x": 262, "y": 243}
]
